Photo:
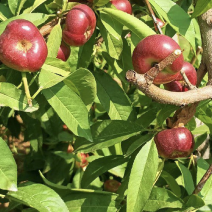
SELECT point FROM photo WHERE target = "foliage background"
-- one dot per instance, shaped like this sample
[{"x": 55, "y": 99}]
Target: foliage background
[{"x": 108, "y": 118}]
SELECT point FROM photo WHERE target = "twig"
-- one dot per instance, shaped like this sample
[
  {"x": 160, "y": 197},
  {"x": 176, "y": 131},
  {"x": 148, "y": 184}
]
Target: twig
[
  {"x": 203, "y": 180},
  {"x": 198, "y": 51},
  {"x": 47, "y": 28},
  {"x": 154, "y": 71},
  {"x": 188, "y": 83},
  {"x": 153, "y": 16}
]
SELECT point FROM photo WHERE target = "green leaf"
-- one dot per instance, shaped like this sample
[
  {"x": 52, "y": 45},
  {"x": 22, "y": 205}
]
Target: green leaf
[
  {"x": 38, "y": 196},
  {"x": 107, "y": 133},
  {"x": 204, "y": 112},
  {"x": 48, "y": 79},
  {"x": 133, "y": 23},
  {"x": 5, "y": 12},
  {"x": 162, "y": 198},
  {"x": 14, "y": 98},
  {"x": 199, "y": 140},
  {"x": 142, "y": 177},
  {"x": 172, "y": 183},
  {"x": 16, "y": 6},
  {"x": 85, "y": 52},
  {"x": 164, "y": 113},
  {"x": 73, "y": 58},
  {"x": 113, "y": 98},
  {"x": 70, "y": 108},
  {"x": 36, "y": 4},
  {"x": 138, "y": 143},
  {"x": 186, "y": 178},
  {"x": 83, "y": 82},
  {"x": 206, "y": 192},
  {"x": 193, "y": 202},
  {"x": 116, "y": 66},
  {"x": 201, "y": 7},
  {"x": 100, "y": 166},
  {"x": 84, "y": 199},
  {"x": 90, "y": 201},
  {"x": 100, "y": 3},
  {"x": 112, "y": 35},
  {"x": 54, "y": 41},
  {"x": 13, "y": 4},
  {"x": 35, "y": 18},
  {"x": 180, "y": 23},
  {"x": 56, "y": 69},
  {"x": 8, "y": 168}
]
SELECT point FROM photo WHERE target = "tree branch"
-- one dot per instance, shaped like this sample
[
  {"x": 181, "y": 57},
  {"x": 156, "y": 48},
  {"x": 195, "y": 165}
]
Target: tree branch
[
  {"x": 169, "y": 97},
  {"x": 203, "y": 180}
]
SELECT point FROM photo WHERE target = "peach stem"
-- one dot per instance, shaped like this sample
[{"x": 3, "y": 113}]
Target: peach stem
[{"x": 26, "y": 88}]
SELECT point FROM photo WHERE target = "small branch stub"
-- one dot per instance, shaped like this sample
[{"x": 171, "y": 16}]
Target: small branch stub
[{"x": 154, "y": 71}]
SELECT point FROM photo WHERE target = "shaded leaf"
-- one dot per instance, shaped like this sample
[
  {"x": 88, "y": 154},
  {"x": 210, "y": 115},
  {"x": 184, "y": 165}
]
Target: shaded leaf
[
  {"x": 187, "y": 179},
  {"x": 107, "y": 133},
  {"x": 100, "y": 166},
  {"x": 8, "y": 168},
  {"x": 113, "y": 98}
]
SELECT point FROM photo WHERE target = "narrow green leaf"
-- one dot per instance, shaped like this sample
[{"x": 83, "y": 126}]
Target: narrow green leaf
[
  {"x": 56, "y": 69},
  {"x": 186, "y": 178},
  {"x": 84, "y": 199},
  {"x": 180, "y": 23},
  {"x": 172, "y": 183},
  {"x": 36, "y": 4},
  {"x": 68, "y": 105},
  {"x": 48, "y": 79},
  {"x": 138, "y": 143},
  {"x": 142, "y": 177},
  {"x": 13, "y": 5},
  {"x": 14, "y": 98},
  {"x": 201, "y": 7},
  {"x": 112, "y": 35},
  {"x": 54, "y": 41},
  {"x": 85, "y": 52},
  {"x": 100, "y": 166},
  {"x": 133, "y": 23},
  {"x": 73, "y": 58},
  {"x": 5, "y": 12},
  {"x": 199, "y": 140},
  {"x": 38, "y": 196},
  {"x": 206, "y": 192},
  {"x": 100, "y": 3},
  {"x": 193, "y": 202},
  {"x": 107, "y": 133},
  {"x": 164, "y": 113},
  {"x": 8, "y": 168},
  {"x": 113, "y": 98},
  {"x": 20, "y": 6},
  {"x": 162, "y": 198},
  {"x": 83, "y": 82},
  {"x": 35, "y": 18}
]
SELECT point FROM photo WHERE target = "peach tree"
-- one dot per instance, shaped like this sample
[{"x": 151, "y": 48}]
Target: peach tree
[{"x": 105, "y": 105}]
